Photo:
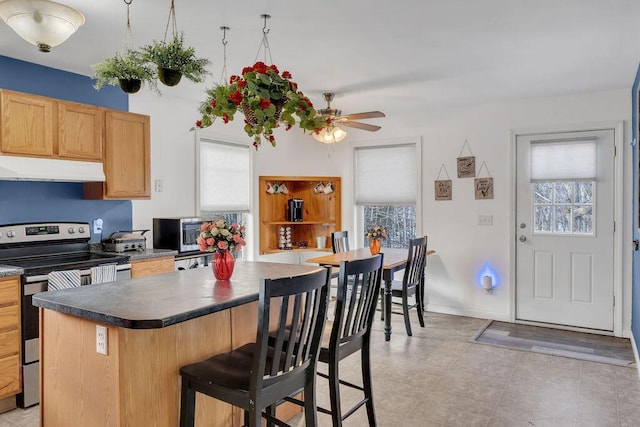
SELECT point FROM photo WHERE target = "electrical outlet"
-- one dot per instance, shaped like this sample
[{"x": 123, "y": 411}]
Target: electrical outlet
[
  {"x": 485, "y": 219},
  {"x": 159, "y": 185},
  {"x": 97, "y": 225},
  {"x": 101, "y": 340}
]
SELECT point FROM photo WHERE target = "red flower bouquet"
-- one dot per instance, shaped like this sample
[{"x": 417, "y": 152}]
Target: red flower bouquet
[{"x": 219, "y": 235}]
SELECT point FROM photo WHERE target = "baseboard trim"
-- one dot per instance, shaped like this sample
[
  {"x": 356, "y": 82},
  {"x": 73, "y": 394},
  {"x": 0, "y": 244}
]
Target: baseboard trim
[{"x": 457, "y": 311}]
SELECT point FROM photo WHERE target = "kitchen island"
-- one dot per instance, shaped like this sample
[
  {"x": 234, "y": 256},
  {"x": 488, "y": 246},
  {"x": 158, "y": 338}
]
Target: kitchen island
[{"x": 154, "y": 325}]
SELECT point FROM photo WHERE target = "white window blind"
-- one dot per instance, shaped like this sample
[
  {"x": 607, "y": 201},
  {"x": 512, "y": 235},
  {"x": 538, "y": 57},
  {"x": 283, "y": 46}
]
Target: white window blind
[
  {"x": 224, "y": 177},
  {"x": 563, "y": 160},
  {"x": 386, "y": 175}
]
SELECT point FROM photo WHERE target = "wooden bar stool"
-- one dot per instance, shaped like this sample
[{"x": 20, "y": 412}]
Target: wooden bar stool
[
  {"x": 256, "y": 376},
  {"x": 350, "y": 332}
]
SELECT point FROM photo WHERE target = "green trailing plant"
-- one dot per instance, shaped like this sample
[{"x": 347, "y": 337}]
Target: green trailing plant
[
  {"x": 174, "y": 56},
  {"x": 130, "y": 65}
]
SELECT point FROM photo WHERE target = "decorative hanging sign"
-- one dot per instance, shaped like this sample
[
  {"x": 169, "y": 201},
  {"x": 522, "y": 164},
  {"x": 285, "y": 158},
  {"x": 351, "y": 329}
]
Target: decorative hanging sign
[
  {"x": 466, "y": 165},
  {"x": 442, "y": 187},
  {"x": 483, "y": 186}
]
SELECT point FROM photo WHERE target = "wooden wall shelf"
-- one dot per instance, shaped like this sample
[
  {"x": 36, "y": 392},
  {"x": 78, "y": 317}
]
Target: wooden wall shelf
[{"x": 322, "y": 213}]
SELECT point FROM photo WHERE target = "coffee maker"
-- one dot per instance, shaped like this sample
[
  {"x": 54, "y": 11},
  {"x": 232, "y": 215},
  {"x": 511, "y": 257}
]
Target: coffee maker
[{"x": 294, "y": 210}]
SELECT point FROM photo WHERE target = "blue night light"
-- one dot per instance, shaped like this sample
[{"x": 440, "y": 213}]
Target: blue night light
[{"x": 488, "y": 271}]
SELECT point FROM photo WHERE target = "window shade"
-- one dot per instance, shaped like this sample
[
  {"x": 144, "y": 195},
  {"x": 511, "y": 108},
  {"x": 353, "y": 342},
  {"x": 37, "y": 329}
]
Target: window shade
[
  {"x": 224, "y": 177},
  {"x": 563, "y": 160},
  {"x": 386, "y": 175}
]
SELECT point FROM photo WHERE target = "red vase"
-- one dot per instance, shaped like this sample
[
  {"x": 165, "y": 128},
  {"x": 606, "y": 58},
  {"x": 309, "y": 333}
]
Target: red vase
[
  {"x": 374, "y": 246},
  {"x": 223, "y": 262}
]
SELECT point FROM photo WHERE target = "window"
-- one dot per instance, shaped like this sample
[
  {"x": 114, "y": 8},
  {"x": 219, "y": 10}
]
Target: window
[
  {"x": 563, "y": 186},
  {"x": 563, "y": 207},
  {"x": 224, "y": 177},
  {"x": 387, "y": 182}
]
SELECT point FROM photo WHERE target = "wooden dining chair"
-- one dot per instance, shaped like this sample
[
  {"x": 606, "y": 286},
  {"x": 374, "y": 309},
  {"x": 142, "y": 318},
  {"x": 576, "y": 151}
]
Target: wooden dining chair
[
  {"x": 412, "y": 284},
  {"x": 340, "y": 241},
  {"x": 257, "y": 376}
]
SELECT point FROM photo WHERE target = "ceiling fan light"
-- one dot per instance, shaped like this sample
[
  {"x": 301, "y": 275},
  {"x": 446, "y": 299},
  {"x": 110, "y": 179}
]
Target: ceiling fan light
[
  {"x": 330, "y": 135},
  {"x": 40, "y": 22}
]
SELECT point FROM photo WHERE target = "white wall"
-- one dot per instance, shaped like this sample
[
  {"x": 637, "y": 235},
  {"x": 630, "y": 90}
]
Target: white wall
[{"x": 462, "y": 246}]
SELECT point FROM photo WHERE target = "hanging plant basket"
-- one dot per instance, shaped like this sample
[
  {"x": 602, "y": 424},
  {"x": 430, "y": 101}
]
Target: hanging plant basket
[
  {"x": 266, "y": 98},
  {"x": 250, "y": 115},
  {"x": 174, "y": 60},
  {"x": 130, "y": 85},
  {"x": 127, "y": 70},
  {"x": 168, "y": 76}
]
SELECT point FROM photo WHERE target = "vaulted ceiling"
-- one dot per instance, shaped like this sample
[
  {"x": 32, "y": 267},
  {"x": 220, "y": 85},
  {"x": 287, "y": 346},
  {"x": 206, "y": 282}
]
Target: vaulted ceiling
[{"x": 381, "y": 55}]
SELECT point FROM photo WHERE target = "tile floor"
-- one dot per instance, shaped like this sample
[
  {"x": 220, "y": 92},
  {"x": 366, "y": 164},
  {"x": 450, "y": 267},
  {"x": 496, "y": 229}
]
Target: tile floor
[{"x": 439, "y": 378}]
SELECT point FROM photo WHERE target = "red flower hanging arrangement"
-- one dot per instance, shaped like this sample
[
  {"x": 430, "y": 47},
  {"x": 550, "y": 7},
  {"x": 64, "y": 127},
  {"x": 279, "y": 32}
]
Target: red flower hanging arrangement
[{"x": 267, "y": 98}]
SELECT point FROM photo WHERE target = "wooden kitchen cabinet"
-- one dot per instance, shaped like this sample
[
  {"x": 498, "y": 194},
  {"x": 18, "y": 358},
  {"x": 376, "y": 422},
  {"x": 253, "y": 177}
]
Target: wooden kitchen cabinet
[
  {"x": 127, "y": 158},
  {"x": 10, "y": 336},
  {"x": 80, "y": 133},
  {"x": 27, "y": 124},
  {"x": 149, "y": 267},
  {"x": 322, "y": 212}
]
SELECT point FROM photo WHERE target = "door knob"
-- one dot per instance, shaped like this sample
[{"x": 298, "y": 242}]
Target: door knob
[{"x": 523, "y": 238}]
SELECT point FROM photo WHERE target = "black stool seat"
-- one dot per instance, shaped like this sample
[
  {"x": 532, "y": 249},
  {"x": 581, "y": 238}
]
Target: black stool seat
[{"x": 232, "y": 370}]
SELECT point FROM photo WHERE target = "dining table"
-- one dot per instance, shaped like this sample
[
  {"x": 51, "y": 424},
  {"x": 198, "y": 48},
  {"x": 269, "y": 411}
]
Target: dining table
[{"x": 393, "y": 260}]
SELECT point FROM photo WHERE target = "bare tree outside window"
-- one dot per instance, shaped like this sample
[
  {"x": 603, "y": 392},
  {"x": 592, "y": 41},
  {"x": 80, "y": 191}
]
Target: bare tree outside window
[
  {"x": 563, "y": 207},
  {"x": 399, "y": 221}
]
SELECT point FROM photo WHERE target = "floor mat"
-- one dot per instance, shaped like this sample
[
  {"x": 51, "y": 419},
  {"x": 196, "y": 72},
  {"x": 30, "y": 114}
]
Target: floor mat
[{"x": 577, "y": 345}]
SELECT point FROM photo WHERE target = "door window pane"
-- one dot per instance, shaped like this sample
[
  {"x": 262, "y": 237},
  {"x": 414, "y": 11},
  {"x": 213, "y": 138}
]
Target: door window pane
[
  {"x": 543, "y": 192},
  {"x": 542, "y": 219},
  {"x": 583, "y": 219},
  {"x": 563, "y": 207},
  {"x": 564, "y": 192},
  {"x": 562, "y": 219},
  {"x": 584, "y": 192}
]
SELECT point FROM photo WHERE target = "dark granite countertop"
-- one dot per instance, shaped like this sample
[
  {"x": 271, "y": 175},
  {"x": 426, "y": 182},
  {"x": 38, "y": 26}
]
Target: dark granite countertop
[
  {"x": 165, "y": 299},
  {"x": 7, "y": 270}
]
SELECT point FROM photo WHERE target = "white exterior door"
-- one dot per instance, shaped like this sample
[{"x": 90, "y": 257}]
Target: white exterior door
[{"x": 565, "y": 229}]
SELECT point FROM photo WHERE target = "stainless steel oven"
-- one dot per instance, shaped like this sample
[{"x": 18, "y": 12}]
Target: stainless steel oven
[
  {"x": 178, "y": 234},
  {"x": 40, "y": 249}
]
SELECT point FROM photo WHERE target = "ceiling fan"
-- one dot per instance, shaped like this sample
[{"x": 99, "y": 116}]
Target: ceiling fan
[{"x": 332, "y": 133}]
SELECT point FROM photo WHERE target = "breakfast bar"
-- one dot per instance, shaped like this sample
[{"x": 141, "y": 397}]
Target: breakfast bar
[{"x": 154, "y": 325}]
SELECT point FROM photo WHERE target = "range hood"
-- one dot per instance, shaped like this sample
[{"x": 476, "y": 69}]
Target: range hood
[{"x": 37, "y": 169}]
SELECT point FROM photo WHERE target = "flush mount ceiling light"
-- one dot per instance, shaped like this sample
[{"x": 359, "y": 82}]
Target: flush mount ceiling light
[
  {"x": 42, "y": 23},
  {"x": 330, "y": 135}
]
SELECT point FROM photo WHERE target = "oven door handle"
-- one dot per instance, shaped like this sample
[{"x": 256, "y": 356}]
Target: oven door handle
[{"x": 44, "y": 277}]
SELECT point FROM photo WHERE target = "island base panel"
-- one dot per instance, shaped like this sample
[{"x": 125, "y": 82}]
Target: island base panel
[{"x": 136, "y": 383}]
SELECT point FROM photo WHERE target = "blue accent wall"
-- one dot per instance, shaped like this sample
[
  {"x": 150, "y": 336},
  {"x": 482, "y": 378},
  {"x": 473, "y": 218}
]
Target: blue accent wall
[
  {"x": 635, "y": 291},
  {"x": 46, "y": 81},
  {"x": 31, "y": 201}
]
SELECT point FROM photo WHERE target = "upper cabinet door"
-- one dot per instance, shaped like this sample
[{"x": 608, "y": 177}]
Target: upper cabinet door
[
  {"x": 127, "y": 155},
  {"x": 27, "y": 124},
  {"x": 79, "y": 131}
]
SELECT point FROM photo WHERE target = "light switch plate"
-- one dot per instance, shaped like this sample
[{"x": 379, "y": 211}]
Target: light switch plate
[{"x": 485, "y": 219}]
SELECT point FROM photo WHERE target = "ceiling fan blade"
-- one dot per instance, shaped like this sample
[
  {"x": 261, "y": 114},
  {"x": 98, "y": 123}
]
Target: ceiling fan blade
[
  {"x": 367, "y": 115},
  {"x": 363, "y": 126}
]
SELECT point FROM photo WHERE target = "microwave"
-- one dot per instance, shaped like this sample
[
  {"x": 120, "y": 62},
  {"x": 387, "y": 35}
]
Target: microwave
[{"x": 178, "y": 234}]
